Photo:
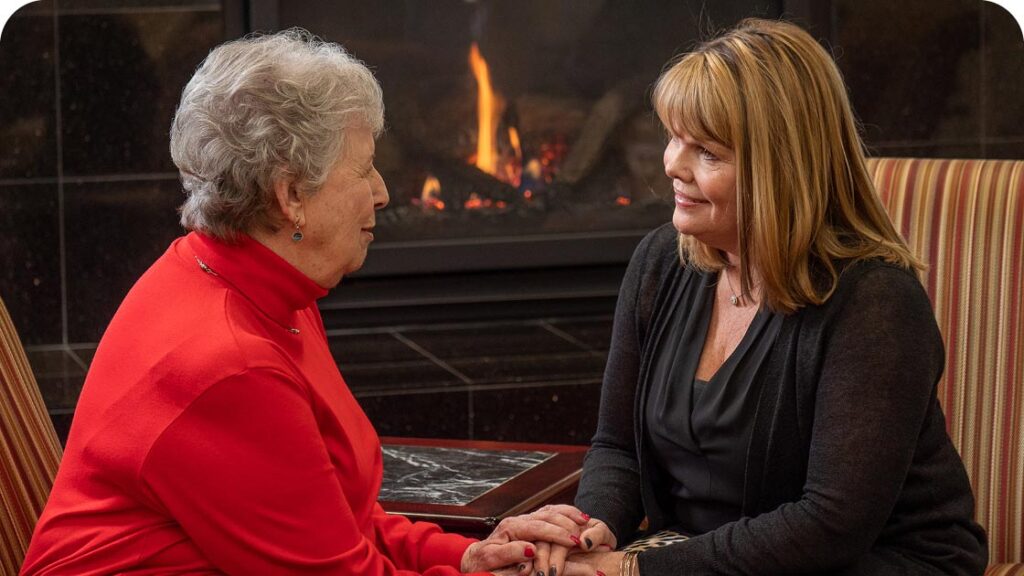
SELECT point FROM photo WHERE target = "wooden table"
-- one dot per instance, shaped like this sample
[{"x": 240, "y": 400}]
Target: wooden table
[{"x": 552, "y": 481}]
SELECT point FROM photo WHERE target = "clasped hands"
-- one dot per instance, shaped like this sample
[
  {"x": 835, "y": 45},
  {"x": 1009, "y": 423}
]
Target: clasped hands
[{"x": 556, "y": 540}]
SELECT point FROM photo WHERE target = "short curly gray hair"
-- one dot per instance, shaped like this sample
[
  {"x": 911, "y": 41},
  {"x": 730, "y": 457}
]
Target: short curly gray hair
[{"x": 261, "y": 108}]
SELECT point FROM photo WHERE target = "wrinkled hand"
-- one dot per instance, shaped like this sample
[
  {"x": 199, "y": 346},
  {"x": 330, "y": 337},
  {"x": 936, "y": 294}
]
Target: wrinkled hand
[{"x": 515, "y": 540}]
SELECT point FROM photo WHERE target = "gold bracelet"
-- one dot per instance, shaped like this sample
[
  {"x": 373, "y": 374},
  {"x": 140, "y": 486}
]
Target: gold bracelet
[{"x": 628, "y": 567}]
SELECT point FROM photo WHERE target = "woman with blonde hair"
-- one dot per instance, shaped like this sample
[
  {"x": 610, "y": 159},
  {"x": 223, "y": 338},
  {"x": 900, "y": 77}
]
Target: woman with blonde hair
[{"x": 770, "y": 389}]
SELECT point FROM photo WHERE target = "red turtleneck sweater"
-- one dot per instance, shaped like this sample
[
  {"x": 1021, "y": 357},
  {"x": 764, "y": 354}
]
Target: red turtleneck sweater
[{"x": 214, "y": 434}]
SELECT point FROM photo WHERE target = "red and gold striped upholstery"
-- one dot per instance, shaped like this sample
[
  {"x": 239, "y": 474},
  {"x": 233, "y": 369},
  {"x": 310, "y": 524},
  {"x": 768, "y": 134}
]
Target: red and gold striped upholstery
[
  {"x": 966, "y": 219},
  {"x": 29, "y": 450},
  {"x": 1005, "y": 570}
]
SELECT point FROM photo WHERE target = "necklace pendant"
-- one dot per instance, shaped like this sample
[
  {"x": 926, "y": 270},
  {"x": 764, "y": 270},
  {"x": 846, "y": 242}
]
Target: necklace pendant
[{"x": 734, "y": 300}]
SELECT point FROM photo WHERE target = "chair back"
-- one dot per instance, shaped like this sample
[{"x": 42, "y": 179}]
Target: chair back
[
  {"x": 966, "y": 219},
  {"x": 29, "y": 449}
]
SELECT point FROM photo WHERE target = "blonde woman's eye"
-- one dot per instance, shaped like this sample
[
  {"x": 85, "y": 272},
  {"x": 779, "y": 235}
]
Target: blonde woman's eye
[{"x": 707, "y": 154}]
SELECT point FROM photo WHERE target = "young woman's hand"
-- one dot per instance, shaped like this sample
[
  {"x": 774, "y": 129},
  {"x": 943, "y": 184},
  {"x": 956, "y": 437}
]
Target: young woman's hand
[{"x": 594, "y": 536}]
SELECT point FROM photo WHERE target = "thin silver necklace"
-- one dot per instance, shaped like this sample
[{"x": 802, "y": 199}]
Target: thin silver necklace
[{"x": 733, "y": 298}]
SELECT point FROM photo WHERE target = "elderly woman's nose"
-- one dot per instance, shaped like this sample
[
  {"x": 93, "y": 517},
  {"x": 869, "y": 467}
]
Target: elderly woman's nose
[{"x": 380, "y": 194}]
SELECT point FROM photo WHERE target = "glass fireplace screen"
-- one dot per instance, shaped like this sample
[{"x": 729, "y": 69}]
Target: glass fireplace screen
[{"x": 516, "y": 118}]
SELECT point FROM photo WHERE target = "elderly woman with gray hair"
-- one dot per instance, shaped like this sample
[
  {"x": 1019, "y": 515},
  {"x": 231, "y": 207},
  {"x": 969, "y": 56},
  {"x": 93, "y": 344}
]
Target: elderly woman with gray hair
[{"x": 214, "y": 433}]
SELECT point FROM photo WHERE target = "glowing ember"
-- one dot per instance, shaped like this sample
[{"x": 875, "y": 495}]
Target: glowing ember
[
  {"x": 623, "y": 201},
  {"x": 473, "y": 202}
]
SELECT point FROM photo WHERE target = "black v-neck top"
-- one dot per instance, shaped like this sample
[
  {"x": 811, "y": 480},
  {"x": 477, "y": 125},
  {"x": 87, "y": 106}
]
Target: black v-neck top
[
  {"x": 849, "y": 466},
  {"x": 699, "y": 431}
]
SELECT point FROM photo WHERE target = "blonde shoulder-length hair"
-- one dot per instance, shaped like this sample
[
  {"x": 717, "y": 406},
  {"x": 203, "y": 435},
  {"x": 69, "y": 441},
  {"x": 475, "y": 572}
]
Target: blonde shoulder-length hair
[{"x": 770, "y": 93}]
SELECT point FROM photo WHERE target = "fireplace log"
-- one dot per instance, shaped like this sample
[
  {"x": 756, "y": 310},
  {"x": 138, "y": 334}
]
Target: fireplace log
[
  {"x": 459, "y": 181},
  {"x": 604, "y": 119}
]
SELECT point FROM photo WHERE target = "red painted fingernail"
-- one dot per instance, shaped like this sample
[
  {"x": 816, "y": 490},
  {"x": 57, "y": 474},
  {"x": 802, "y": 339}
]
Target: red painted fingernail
[
  {"x": 586, "y": 518},
  {"x": 529, "y": 553},
  {"x": 575, "y": 540},
  {"x": 599, "y": 573}
]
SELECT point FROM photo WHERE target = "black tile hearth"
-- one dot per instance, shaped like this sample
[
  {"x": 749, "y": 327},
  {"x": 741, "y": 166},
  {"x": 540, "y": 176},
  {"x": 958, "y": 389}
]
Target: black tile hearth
[
  {"x": 592, "y": 333},
  {"x": 369, "y": 347},
  {"x": 28, "y": 116},
  {"x": 431, "y": 415},
  {"x": 552, "y": 414},
  {"x": 396, "y": 376},
  {"x": 496, "y": 339},
  {"x": 556, "y": 367},
  {"x": 30, "y": 275}
]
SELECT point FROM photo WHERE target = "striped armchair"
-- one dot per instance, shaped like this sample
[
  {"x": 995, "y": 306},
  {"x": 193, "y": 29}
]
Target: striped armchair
[
  {"x": 966, "y": 218},
  {"x": 29, "y": 450}
]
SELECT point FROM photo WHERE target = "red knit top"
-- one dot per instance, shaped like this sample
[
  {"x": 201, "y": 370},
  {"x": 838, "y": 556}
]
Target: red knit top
[{"x": 214, "y": 434}]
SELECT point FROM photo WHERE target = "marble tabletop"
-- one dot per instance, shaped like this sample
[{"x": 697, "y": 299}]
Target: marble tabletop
[{"x": 452, "y": 476}]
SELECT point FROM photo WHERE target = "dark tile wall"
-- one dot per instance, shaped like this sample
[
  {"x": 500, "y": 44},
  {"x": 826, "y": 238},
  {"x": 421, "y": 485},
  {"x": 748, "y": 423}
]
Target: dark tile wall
[
  {"x": 932, "y": 79},
  {"x": 30, "y": 247},
  {"x": 115, "y": 230},
  {"x": 87, "y": 189},
  {"x": 88, "y": 193},
  {"x": 27, "y": 118}
]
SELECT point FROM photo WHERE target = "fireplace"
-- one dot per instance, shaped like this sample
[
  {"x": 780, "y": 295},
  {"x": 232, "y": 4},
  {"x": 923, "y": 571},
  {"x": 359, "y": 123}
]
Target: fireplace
[
  {"x": 504, "y": 133},
  {"x": 521, "y": 153}
]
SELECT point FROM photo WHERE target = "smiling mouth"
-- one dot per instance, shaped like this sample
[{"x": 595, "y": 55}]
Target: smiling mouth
[{"x": 685, "y": 200}]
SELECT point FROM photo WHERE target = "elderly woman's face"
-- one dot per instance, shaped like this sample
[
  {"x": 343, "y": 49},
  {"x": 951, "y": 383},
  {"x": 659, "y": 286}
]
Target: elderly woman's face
[
  {"x": 704, "y": 182},
  {"x": 339, "y": 218}
]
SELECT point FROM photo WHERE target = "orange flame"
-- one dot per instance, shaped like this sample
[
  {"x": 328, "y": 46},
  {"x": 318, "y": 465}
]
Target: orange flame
[
  {"x": 513, "y": 138},
  {"x": 430, "y": 197},
  {"x": 486, "y": 153}
]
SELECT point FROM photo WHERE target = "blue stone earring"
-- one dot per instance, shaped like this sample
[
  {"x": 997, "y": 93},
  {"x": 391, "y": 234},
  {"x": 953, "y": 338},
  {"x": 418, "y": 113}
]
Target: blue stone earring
[{"x": 297, "y": 235}]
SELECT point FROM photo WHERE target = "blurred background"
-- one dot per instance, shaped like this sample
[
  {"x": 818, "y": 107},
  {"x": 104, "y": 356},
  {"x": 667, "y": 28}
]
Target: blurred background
[{"x": 485, "y": 307}]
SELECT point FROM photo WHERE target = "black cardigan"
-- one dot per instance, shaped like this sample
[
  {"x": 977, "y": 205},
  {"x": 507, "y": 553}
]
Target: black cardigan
[{"x": 876, "y": 487}]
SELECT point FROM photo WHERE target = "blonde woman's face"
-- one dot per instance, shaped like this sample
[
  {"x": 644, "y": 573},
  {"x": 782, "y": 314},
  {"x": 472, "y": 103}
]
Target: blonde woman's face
[{"x": 704, "y": 184}]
